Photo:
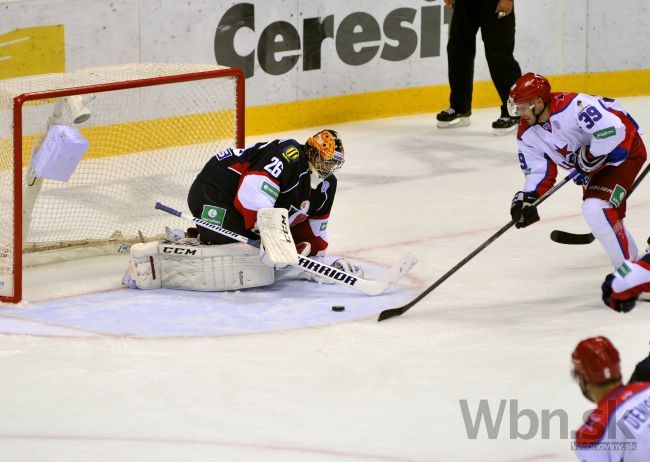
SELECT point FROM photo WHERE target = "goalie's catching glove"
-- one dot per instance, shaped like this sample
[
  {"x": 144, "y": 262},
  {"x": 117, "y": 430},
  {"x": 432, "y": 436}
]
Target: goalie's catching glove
[{"x": 522, "y": 210}]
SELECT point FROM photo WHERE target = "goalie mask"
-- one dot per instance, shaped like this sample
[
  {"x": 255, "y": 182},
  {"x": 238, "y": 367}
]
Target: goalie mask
[{"x": 325, "y": 153}]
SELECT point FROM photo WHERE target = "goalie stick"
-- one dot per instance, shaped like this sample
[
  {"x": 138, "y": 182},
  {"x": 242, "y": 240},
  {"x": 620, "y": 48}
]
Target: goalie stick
[
  {"x": 565, "y": 237},
  {"x": 367, "y": 286},
  {"x": 387, "y": 314}
]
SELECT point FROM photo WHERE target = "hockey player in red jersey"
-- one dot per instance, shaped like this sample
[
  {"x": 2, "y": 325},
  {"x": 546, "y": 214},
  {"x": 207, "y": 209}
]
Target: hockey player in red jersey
[
  {"x": 236, "y": 183},
  {"x": 619, "y": 428},
  {"x": 590, "y": 134},
  {"x": 622, "y": 288}
]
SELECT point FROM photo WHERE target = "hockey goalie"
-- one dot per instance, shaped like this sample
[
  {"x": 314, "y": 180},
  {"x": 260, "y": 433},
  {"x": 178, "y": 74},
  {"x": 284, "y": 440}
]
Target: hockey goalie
[{"x": 280, "y": 192}]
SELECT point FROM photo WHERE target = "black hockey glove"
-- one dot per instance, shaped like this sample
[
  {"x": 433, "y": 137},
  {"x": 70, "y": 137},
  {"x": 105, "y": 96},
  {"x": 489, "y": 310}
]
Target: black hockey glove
[
  {"x": 620, "y": 306},
  {"x": 522, "y": 211}
]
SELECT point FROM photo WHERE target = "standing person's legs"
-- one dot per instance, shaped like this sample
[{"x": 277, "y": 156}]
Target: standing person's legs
[
  {"x": 461, "y": 49},
  {"x": 499, "y": 41}
]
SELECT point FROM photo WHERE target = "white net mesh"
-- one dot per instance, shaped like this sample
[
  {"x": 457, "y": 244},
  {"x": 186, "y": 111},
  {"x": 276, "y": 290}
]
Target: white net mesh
[{"x": 146, "y": 144}]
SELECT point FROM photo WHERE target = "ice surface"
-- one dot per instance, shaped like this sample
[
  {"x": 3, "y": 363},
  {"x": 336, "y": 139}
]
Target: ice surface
[{"x": 163, "y": 382}]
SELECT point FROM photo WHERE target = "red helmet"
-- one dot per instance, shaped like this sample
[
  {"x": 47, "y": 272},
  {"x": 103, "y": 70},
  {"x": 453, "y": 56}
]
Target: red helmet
[
  {"x": 528, "y": 87},
  {"x": 596, "y": 360}
]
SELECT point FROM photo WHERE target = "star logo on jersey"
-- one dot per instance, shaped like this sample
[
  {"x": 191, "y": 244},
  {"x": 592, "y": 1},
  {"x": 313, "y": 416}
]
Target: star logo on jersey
[
  {"x": 560, "y": 98},
  {"x": 564, "y": 151}
]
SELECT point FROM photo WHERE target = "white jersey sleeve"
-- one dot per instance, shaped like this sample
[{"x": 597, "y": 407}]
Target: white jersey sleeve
[{"x": 536, "y": 158}]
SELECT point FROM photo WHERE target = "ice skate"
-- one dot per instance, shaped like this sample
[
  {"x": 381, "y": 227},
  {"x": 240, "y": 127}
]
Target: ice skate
[
  {"x": 449, "y": 118},
  {"x": 505, "y": 125}
]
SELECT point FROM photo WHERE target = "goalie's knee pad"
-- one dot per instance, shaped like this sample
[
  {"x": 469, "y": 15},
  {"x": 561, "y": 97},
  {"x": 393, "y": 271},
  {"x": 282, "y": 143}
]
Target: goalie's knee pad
[{"x": 157, "y": 265}]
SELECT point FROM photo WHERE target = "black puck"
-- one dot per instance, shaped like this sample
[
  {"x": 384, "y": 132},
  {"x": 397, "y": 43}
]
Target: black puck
[{"x": 338, "y": 308}]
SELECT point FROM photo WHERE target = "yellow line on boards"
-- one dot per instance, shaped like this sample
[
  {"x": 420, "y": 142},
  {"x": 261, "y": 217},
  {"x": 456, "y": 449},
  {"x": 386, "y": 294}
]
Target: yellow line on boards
[
  {"x": 146, "y": 135},
  {"x": 201, "y": 128},
  {"x": 417, "y": 100}
]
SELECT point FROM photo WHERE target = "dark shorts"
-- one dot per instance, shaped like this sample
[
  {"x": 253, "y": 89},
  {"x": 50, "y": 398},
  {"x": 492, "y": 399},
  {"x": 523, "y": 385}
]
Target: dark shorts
[
  {"x": 211, "y": 203},
  {"x": 613, "y": 184}
]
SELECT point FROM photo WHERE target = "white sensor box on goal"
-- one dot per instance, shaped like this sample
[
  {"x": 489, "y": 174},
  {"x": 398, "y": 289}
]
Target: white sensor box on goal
[{"x": 60, "y": 153}]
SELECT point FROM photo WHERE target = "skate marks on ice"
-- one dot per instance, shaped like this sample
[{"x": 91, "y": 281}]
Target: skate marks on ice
[{"x": 288, "y": 304}]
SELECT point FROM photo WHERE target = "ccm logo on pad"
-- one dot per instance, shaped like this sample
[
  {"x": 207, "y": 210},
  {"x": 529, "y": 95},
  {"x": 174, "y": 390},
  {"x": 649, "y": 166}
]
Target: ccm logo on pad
[{"x": 179, "y": 251}]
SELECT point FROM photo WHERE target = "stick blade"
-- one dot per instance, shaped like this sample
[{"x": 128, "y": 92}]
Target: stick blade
[
  {"x": 389, "y": 277},
  {"x": 391, "y": 313},
  {"x": 399, "y": 269},
  {"x": 563, "y": 237}
]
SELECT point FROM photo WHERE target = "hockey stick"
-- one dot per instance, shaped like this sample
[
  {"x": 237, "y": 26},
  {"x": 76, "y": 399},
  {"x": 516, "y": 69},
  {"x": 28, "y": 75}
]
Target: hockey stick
[
  {"x": 387, "y": 314},
  {"x": 564, "y": 237},
  {"x": 367, "y": 286}
]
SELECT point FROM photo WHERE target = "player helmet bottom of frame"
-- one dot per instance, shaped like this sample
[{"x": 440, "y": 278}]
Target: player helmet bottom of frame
[
  {"x": 596, "y": 361},
  {"x": 325, "y": 153}
]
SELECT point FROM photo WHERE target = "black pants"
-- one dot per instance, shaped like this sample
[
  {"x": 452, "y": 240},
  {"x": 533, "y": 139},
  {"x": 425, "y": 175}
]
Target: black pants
[
  {"x": 499, "y": 39},
  {"x": 202, "y": 193}
]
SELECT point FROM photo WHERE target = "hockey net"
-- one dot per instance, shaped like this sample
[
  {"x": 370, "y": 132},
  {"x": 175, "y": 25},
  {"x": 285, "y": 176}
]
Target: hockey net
[{"x": 150, "y": 128}]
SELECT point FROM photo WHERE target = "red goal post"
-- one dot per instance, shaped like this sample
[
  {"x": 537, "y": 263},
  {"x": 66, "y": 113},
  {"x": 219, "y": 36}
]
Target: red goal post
[{"x": 148, "y": 129}]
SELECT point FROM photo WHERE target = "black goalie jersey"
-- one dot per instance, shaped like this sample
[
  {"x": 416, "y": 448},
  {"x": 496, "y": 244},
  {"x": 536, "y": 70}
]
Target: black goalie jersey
[{"x": 236, "y": 183}]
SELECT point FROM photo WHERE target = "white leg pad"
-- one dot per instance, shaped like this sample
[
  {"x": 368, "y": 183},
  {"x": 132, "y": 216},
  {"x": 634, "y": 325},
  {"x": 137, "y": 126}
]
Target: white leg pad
[
  {"x": 198, "y": 267},
  {"x": 615, "y": 239},
  {"x": 144, "y": 265}
]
